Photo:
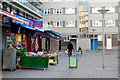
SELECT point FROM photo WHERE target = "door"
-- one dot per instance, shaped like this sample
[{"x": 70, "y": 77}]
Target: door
[
  {"x": 95, "y": 44},
  {"x": 109, "y": 43}
]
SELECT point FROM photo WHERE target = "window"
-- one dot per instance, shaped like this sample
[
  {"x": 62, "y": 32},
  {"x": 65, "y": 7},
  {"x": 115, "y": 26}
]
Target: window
[
  {"x": 110, "y": 22},
  {"x": 97, "y": 23},
  {"x": 57, "y": 11},
  {"x": 46, "y": 11},
  {"x": 70, "y": 10},
  {"x": 111, "y": 9},
  {"x": 54, "y": 24},
  {"x": 119, "y": 37},
  {"x": 70, "y": 24},
  {"x": 8, "y": 8},
  {"x": 1, "y": 7},
  {"x": 54, "y": 11},
  {"x": 57, "y": 24},
  {"x": 95, "y": 9}
]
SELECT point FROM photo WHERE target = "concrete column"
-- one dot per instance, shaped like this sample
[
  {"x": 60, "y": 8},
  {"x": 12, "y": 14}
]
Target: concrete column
[{"x": 0, "y": 47}]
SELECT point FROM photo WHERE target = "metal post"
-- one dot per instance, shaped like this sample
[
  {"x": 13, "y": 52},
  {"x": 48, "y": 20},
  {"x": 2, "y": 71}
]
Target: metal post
[
  {"x": 103, "y": 41},
  {"x": 93, "y": 40}
]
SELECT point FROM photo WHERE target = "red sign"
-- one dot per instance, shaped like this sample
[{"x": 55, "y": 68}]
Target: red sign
[
  {"x": 9, "y": 15},
  {"x": 40, "y": 33}
]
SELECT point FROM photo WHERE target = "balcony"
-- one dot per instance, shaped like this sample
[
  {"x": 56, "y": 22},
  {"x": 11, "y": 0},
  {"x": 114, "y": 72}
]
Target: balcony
[{"x": 27, "y": 5}]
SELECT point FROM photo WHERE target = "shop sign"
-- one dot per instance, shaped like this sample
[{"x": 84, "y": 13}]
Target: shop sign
[
  {"x": 6, "y": 21},
  {"x": 109, "y": 35},
  {"x": 18, "y": 37},
  {"x": 37, "y": 23},
  {"x": 10, "y": 15},
  {"x": 25, "y": 21},
  {"x": 47, "y": 27}
]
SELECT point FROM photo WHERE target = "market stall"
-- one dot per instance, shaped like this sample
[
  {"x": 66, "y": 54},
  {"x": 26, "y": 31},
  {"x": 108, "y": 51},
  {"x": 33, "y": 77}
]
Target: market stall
[{"x": 38, "y": 60}]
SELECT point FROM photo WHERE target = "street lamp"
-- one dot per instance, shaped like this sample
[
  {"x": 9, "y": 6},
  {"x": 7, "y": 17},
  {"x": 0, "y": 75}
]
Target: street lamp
[
  {"x": 93, "y": 29},
  {"x": 103, "y": 12}
]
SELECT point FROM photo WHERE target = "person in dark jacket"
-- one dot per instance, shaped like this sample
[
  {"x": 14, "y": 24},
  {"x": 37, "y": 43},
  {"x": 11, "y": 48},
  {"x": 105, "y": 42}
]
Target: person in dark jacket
[{"x": 70, "y": 48}]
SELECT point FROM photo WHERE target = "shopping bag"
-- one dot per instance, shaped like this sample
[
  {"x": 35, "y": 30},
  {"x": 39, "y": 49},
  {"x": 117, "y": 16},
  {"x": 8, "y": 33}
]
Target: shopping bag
[{"x": 66, "y": 52}]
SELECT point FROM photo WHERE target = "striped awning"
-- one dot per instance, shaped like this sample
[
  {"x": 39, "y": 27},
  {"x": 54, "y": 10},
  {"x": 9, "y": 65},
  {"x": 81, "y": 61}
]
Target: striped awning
[{"x": 10, "y": 16}]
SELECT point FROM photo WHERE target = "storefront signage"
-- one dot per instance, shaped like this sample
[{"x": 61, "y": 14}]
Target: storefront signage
[
  {"x": 10, "y": 16},
  {"x": 18, "y": 37},
  {"x": 109, "y": 35},
  {"x": 37, "y": 23},
  {"x": 47, "y": 27},
  {"x": 6, "y": 21},
  {"x": 25, "y": 21}
]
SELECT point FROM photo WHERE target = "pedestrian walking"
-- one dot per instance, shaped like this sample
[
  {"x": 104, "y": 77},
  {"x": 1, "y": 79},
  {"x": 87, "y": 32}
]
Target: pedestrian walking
[
  {"x": 70, "y": 48},
  {"x": 35, "y": 46}
]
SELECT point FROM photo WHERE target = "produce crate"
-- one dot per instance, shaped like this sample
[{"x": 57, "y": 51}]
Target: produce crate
[{"x": 34, "y": 62}]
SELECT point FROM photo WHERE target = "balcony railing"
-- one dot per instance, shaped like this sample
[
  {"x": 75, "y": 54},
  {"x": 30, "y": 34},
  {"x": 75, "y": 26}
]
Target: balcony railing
[{"x": 31, "y": 6}]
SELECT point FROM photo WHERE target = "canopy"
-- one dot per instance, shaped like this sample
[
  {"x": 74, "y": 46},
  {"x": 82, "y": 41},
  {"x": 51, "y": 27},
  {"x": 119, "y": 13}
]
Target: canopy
[{"x": 58, "y": 34}]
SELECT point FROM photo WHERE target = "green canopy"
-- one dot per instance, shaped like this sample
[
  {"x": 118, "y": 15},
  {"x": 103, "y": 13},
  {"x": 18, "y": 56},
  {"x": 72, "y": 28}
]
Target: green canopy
[{"x": 58, "y": 34}]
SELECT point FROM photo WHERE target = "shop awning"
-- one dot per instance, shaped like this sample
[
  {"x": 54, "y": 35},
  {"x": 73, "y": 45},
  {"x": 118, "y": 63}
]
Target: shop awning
[
  {"x": 61, "y": 36},
  {"x": 31, "y": 28},
  {"x": 10, "y": 16}
]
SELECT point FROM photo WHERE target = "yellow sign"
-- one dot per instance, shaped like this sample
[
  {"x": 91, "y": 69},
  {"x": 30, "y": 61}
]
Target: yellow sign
[{"x": 18, "y": 37}]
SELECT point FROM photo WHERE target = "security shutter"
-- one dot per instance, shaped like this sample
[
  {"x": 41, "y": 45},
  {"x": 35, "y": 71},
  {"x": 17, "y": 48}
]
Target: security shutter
[
  {"x": 51, "y": 10},
  {"x": 63, "y": 10}
]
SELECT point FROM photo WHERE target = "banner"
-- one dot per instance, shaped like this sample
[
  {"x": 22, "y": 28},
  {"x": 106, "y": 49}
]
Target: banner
[
  {"x": 18, "y": 37},
  {"x": 25, "y": 21},
  {"x": 37, "y": 23},
  {"x": 47, "y": 27}
]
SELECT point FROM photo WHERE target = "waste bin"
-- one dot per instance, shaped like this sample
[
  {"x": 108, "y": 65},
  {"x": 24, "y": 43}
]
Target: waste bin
[{"x": 9, "y": 59}]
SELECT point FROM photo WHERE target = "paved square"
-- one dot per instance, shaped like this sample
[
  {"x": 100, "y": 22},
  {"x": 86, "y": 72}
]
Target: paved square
[{"x": 89, "y": 66}]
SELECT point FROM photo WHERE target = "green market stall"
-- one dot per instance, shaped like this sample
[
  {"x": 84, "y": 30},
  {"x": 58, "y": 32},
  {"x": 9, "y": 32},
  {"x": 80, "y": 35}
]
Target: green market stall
[{"x": 34, "y": 62}]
